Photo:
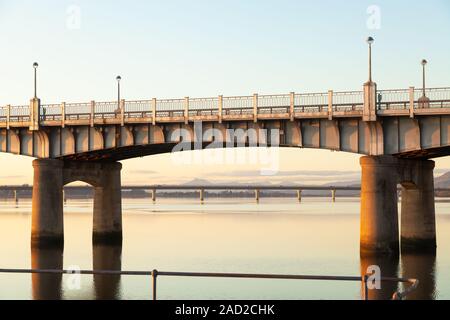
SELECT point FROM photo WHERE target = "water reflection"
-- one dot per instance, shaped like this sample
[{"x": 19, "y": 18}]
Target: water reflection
[
  {"x": 50, "y": 286},
  {"x": 423, "y": 268},
  {"x": 107, "y": 257},
  {"x": 416, "y": 266},
  {"x": 389, "y": 265},
  {"x": 46, "y": 286}
]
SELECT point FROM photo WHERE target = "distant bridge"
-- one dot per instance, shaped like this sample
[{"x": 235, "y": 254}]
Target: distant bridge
[{"x": 201, "y": 189}]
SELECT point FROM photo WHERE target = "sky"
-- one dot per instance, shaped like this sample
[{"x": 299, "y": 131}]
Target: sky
[{"x": 172, "y": 49}]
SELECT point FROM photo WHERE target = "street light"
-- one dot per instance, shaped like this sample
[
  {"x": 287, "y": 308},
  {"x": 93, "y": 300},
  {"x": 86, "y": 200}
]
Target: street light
[
  {"x": 424, "y": 63},
  {"x": 118, "y": 78},
  {"x": 370, "y": 41},
  {"x": 35, "y": 66}
]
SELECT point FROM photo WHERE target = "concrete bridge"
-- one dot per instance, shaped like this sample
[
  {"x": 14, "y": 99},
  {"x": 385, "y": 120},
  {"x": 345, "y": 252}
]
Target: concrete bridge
[{"x": 396, "y": 130}]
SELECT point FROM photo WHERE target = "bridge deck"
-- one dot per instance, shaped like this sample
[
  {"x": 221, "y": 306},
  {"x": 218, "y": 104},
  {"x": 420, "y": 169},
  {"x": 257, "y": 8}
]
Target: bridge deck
[{"x": 262, "y": 107}]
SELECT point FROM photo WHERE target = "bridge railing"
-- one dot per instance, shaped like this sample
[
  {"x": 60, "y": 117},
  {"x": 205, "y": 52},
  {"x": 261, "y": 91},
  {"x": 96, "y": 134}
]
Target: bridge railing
[
  {"x": 203, "y": 106},
  {"x": 399, "y": 99},
  {"x": 237, "y": 105},
  {"x": 19, "y": 114},
  {"x": 234, "y": 105},
  {"x": 138, "y": 109},
  {"x": 107, "y": 109},
  {"x": 410, "y": 284},
  {"x": 170, "y": 107},
  {"x": 77, "y": 111},
  {"x": 271, "y": 104},
  {"x": 51, "y": 112},
  {"x": 348, "y": 101}
]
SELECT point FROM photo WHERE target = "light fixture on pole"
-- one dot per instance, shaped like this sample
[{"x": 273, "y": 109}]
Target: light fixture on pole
[
  {"x": 370, "y": 41},
  {"x": 118, "y": 78},
  {"x": 35, "y": 66},
  {"x": 424, "y": 101},
  {"x": 424, "y": 63}
]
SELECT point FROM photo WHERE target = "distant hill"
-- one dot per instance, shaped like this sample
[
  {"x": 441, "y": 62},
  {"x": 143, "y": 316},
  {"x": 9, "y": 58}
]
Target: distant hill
[{"x": 442, "y": 181}]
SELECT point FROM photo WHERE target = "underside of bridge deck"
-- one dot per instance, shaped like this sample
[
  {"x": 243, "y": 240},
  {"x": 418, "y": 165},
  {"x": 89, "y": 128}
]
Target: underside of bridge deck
[{"x": 429, "y": 153}]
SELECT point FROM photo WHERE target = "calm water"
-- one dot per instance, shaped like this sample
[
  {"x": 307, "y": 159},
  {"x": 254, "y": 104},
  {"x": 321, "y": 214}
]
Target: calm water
[{"x": 274, "y": 236}]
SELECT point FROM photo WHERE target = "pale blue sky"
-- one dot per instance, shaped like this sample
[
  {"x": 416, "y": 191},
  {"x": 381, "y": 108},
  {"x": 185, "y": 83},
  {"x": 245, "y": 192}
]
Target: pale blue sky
[{"x": 205, "y": 48}]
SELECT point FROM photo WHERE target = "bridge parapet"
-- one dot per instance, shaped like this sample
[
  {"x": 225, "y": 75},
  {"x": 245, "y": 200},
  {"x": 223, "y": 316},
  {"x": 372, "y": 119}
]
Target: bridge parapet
[{"x": 273, "y": 106}]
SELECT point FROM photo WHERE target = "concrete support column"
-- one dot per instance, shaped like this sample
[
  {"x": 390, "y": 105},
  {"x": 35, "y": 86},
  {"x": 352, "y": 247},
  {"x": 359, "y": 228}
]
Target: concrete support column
[
  {"x": 333, "y": 195},
  {"x": 418, "y": 226},
  {"x": 257, "y": 195},
  {"x": 379, "y": 213},
  {"x": 108, "y": 205},
  {"x": 47, "y": 209},
  {"x": 299, "y": 195}
]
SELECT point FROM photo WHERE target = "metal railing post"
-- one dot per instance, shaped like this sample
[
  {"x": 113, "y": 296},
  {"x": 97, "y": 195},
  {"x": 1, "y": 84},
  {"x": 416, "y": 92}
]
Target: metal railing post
[
  {"x": 154, "y": 277},
  {"x": 365, "y": 288}
]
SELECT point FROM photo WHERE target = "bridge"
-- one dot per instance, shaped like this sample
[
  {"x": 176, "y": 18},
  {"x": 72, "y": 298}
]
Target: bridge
[{"x": 396, "y": 130}]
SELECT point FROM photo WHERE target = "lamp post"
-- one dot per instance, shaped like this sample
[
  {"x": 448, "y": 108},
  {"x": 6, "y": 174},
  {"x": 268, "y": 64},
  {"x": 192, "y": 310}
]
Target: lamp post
[
  {"x": 118, "y": 78},
  {"x": 370, "y": 90},
  {"x": 424, "y": 63},
  {"x": 370, "y": 41},
  {"x": 424, "y": 101},
  {"x": 35, "y": 66}
]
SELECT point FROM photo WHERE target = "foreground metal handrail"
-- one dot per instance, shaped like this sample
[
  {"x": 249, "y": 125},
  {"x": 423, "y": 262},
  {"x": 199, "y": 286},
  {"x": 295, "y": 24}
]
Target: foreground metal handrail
[{"x": 398, "y": 295}]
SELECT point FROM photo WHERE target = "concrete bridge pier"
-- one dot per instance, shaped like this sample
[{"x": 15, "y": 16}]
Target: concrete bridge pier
[
  {"x": 379, "y": 214},
  {"x": 418, "y": 225},
  {"x": 47, "y": 210},
  {"x": 108, "y": 205},
  {"x": 47, "y": 205},
  {"x": 379, "y": 210}
]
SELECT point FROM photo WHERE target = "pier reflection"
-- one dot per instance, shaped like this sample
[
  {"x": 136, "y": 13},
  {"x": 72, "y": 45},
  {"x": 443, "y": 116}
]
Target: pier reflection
[
  {"x": 50, "y": 286},
  {"x": 107, "y": 257},
  {"x": 389, "y": 267},
  {"x": 418, "y": 266},
  {"x": 46, "y": 286},
  {"x": 423, "y": 268}
]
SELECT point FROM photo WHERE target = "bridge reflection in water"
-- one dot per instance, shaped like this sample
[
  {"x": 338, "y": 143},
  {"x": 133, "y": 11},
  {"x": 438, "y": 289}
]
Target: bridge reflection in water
[
  {"x": 412, "y": 265},
  {"x": 109, "y": 257},
  {"x": 51, "y": 286}
]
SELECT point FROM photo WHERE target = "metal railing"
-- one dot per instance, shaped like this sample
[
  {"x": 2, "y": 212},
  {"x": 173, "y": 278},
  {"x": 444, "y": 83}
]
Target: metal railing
[
  {"x": 398, "y": 99},
  {"x": 398, "y": 295}
]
